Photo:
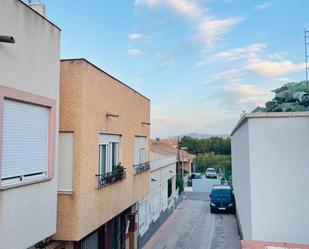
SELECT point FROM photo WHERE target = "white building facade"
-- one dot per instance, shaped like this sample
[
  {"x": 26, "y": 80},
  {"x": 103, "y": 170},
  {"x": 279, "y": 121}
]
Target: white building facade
[
  {"x": 162, "y": 193},
  {"x": 270, "y": 176},
  {"x": 29, "y": 100}
]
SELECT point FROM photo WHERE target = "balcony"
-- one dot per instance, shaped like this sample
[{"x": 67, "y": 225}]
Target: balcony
[
  {"x": 142, "y": 167},
  {"x": 111, "y": 177}
]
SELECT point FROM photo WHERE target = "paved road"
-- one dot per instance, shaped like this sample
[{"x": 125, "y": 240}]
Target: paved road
[{"x": 192, "y": 226}]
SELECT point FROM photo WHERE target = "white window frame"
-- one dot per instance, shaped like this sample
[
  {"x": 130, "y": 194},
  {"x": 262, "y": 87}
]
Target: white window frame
[{"x": 108, "y": 140}]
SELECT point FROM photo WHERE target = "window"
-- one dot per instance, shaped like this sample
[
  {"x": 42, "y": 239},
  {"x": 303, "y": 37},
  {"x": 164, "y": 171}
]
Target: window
[
  {"x": 25, "y": 142},
  {"x": 91, "y": 241},
  {"x": 109, "y": 153},
  {"x": 169, "y": 187},
  {"x": 27, "y": 137},
  {"x": 103, "y": 159},
  {"x": 65, "y": 169},
  {"x": 140, "y": 150},
  {"x": 114, "y": 155}
]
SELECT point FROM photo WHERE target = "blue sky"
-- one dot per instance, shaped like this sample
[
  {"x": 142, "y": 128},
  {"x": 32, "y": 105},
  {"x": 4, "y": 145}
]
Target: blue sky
[{"x": 201, "y": 62}]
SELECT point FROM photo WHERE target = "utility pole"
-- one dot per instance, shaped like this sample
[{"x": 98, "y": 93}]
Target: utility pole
[{"x": 178, "y": 155}]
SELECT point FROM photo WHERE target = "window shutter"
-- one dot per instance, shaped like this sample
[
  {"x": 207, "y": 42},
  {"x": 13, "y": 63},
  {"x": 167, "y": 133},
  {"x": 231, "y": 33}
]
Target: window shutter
[
  {"x": 140, "y": 145},
  {"x": 136, "y": 150},
  {"x": 25, "y": 140},
  {"x": 65, "y": 161}
]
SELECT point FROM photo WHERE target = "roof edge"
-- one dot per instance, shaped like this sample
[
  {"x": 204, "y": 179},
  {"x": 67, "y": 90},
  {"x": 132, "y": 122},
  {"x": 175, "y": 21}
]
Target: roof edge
[
  {"x": 100, "y": 69},
  {"x": 50, "y": 22},
  {"x": 268, "y": 115}
]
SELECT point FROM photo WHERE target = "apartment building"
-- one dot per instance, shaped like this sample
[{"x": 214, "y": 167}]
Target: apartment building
[
  {"x": 29, "y": 105},
  {"x": 155, "y": 208},
  {"x": 104, "y": 153}
]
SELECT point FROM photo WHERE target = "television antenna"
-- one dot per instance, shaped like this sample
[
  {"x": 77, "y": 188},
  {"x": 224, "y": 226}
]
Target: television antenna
[{"x": 306, "y": 36}]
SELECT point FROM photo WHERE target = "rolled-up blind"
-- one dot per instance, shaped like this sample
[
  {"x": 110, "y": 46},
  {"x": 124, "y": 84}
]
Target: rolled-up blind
[{"x": 25, "y": 139}]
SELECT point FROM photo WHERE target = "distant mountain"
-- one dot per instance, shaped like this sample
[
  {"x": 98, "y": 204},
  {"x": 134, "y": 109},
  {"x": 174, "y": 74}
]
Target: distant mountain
[{"x": 201, "y": 135}]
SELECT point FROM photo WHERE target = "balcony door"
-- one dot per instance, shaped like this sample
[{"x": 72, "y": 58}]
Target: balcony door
[{"x": 109, "y": 153}]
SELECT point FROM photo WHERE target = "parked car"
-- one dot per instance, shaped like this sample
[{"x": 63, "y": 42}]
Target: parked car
[
  {"x": 193, "y": 176},
  {"x": 222, "y": 199},
  {"x": 211, "y": 173}
]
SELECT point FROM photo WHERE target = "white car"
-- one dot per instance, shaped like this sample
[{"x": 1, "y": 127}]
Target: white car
[{"x": 211, "y": 173}]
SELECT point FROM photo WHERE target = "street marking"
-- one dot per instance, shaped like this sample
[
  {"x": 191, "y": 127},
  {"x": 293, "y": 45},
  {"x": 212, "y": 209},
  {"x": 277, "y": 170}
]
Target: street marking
[{"x": 211, "y": 232}]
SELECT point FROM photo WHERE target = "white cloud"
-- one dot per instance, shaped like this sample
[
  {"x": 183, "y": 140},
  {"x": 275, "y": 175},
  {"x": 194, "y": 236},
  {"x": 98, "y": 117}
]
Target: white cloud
[
  {"x": 135, "y": 52},
  {"x": 270, "y": 4},
  {"x": 231, "y": 76},
  {"x": 200, "y": 63},
  {"x": 136, "y": 37},
  {"x": 244, "y": 96},
  {"x": 241, "y": 90},
  {"x": 265, "y": 5},
  {"x": 285, "y": 79},
  {"x": 271, "y": 69},
  {"x": 209, "y": 28},
  {"x": 248, "y": 52},
  {"x": 187, "y": 8},
  {"x": 255, "y": 61},
  {"x": 262, "y": 68},
  {"x": 150, "y": 3},
  {"x": 166, "y": 58}
]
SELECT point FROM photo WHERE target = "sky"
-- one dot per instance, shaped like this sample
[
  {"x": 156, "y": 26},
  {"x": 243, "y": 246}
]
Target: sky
[{"x": 200, "y": 62}]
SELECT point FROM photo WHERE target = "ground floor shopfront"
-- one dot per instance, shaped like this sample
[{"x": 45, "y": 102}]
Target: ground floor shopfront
[{"x": 118, "y": 233}]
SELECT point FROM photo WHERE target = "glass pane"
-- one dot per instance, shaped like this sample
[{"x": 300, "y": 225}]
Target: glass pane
[
  {"x": 142, "y": 155},
  {"x": 91, "y": 242},
  {"x": 115, "y": 155},
  {"x": 103, "y": 159}
]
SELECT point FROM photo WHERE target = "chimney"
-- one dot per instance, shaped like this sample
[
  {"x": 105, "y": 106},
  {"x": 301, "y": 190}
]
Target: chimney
[{"x": 38, "y": 7}]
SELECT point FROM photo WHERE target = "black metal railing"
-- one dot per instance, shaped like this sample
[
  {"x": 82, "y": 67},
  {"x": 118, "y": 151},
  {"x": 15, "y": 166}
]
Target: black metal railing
[
  {"x": 142, "y": 167},
  {"x": 111, "y": 177}
]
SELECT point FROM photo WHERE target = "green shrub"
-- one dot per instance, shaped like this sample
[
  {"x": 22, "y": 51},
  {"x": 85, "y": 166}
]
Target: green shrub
[{"x": 179, "y": 184}]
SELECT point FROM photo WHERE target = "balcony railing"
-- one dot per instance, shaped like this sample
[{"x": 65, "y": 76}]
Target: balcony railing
[
  {"x": 142, "y": 167},
  {"x": 111, "y": 177}
]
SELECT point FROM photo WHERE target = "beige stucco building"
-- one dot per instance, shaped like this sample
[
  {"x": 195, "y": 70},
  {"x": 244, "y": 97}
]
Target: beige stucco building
[{"x": 104, "y": 149}]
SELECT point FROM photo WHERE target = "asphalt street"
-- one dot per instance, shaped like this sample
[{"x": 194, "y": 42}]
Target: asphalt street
[{"x": 192, "y": 226}]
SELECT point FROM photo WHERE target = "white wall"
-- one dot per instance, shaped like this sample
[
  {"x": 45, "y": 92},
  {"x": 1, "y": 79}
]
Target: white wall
[
  {"x": 204, "y": 185},
  {"x": 28, "y": 213},
  {"x": 279, "y": 153},
  {"x": 270, "y": 177},
  {"x": 241, "y": 178},
  {"x": 156, "y": 202}
]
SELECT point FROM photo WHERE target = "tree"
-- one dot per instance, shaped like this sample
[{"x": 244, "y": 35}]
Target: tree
[
  {"x": 179, "y": 184},
  {"x": 217, "y": 145}
]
